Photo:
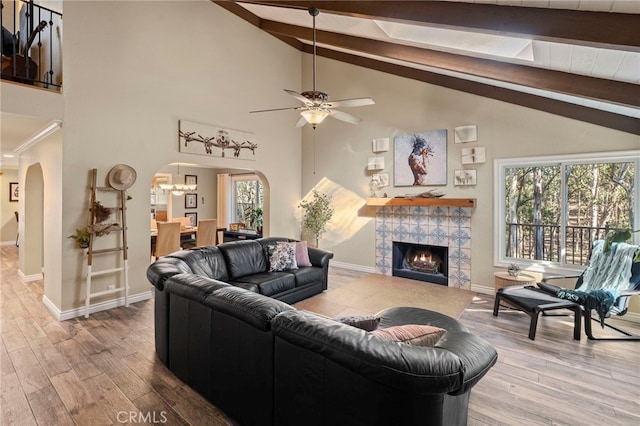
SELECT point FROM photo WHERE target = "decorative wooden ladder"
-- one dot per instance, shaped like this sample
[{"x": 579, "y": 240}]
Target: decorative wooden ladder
[{"x": 94, "y": 231}]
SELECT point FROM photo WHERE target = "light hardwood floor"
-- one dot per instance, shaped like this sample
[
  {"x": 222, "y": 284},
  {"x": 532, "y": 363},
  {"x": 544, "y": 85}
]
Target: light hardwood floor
[{"x": 103, "y": 370}]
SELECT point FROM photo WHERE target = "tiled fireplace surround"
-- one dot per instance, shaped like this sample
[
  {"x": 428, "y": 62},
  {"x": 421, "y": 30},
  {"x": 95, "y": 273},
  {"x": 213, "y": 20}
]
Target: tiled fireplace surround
[{"x": 440, "y": 226}]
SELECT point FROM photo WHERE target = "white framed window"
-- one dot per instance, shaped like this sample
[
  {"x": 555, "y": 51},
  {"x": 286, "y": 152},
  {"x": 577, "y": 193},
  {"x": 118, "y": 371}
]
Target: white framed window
[
  {"x": 246, "y": 194},
  {"x": 549, "y": 210}
]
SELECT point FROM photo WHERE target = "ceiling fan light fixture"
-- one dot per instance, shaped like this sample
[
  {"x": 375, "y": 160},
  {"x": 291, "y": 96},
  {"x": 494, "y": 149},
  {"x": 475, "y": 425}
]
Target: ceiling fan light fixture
[
  {"x": 315, "y": 104},
  {"x": 314, "y": 116}
]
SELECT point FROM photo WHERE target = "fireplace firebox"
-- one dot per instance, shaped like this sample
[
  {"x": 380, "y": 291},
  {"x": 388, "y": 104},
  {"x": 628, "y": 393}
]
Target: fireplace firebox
[{"x": 420, "y": 262}]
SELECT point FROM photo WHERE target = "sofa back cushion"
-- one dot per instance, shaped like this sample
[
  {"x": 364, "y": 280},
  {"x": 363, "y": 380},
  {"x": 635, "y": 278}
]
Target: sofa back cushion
[
  {"x": 206, "y": 261},
  {"x": 193, "y": 287},
  {"x": 249, "y": 307},
  {"x": 244, "y": 258}
]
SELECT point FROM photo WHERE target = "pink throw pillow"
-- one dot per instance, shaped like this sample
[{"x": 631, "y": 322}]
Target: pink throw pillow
[
  {"x": 302, "y": 254},
  {"x": 413, "y": 334}
]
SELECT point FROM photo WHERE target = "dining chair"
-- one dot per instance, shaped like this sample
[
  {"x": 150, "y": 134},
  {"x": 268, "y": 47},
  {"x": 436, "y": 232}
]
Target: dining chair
[
  {"x": 168, "y": 239},
  {"x": 206, "y": 234},
  {"x": 187, "y": 239}
]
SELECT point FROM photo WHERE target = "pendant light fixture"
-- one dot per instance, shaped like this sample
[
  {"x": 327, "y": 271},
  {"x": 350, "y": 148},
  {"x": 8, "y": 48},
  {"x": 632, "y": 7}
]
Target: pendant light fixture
[{"x": 178, "y": 189}]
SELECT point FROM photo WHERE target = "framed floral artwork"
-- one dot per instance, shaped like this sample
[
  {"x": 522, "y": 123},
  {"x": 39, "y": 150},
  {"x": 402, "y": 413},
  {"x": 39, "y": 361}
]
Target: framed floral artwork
[
  {"x": 14, "y": 192},
  {"x": 190, "y": 179},
  {"x": 190, "y": 201}
]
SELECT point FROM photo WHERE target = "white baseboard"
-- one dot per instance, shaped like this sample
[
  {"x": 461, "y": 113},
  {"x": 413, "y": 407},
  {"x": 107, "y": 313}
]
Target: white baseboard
[
  {"x": 8, "y": 243},
  {"x": 483, "y": 289},
  {"x": 352, "y": 267},
  {"x": 28, "y": 278},
  {"x": 95, "y": 307}
]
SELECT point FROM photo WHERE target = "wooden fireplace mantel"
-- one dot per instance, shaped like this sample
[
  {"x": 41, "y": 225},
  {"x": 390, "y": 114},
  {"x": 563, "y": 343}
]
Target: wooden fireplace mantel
[{"x": 421, "y": 201}]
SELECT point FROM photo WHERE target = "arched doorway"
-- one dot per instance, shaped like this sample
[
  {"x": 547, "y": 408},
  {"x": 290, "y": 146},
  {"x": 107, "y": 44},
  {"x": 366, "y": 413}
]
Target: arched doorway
[
  {"x": 207, "y": 194},
  {"x": 31, "y": 227}
]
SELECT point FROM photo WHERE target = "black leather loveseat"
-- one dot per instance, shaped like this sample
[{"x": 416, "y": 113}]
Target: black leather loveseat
[
  {"x": 262, "y": 362},
  {"x": 243, "y": 264}
]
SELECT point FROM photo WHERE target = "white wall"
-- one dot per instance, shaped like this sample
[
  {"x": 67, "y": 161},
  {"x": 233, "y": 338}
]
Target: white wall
[
  {"x": 407, "y": 106},
  {"x": 132, "y": 70}
]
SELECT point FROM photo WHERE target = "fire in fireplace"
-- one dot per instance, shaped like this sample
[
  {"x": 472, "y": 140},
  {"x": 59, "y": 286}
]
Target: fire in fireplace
[
  {"x": 420, "y": 262},
  {"x": 421, "y": 259}
]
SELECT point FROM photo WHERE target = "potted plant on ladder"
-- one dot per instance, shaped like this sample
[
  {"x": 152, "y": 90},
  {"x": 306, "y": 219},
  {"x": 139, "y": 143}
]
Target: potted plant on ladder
[{"x": 81, "y": 237}]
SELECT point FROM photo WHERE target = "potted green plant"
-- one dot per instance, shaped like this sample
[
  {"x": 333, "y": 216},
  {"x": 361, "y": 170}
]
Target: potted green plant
[
  {"x": 254, "y": 217},
  {"x": 81, "y": 237},
  {"x": 317, "y": 213}
]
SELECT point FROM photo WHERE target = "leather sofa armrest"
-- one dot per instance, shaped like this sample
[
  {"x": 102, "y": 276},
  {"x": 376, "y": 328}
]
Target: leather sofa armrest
[
  {"x": 319, "y": 257},
  {"x": 193, "y": 287},
  {"x": 476, "y": 355},
  {"x": 165, "y": 267}
]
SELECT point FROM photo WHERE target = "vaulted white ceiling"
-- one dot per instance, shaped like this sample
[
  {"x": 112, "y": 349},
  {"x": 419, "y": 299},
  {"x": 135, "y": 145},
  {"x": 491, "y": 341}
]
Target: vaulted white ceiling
[{"x": 583, "y": 56}]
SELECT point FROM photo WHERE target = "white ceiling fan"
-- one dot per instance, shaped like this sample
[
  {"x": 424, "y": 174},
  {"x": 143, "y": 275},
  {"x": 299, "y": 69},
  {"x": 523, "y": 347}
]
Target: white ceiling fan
[{"x": 316, "y": 105}]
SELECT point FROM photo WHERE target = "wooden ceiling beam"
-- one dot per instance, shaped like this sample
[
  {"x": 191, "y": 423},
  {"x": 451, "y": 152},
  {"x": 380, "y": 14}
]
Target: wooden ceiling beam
[
  {"x": 577, "y": 112},
  {"x": 621, "y": 93},
  {"x": 596, "y": 29},
  {"x": 243, "y": 13}
]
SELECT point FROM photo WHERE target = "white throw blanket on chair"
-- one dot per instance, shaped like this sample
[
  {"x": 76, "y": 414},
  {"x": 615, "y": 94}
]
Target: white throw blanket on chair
[{"x": 609, "y": 271}]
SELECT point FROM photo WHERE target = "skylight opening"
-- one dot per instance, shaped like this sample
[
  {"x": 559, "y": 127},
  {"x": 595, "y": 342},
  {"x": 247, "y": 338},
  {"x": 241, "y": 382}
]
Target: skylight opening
[{"x": 485, "y": 44}]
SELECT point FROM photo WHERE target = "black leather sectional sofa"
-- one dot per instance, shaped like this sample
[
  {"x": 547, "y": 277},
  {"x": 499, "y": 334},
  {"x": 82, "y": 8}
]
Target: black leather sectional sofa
[{"x": 263, "y": 362}]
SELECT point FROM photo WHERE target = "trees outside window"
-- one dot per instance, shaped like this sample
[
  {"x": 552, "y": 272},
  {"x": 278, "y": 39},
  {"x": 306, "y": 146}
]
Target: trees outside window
[
  {"x": 247, "y": 196},
  {"x": 551, "y": 209}
]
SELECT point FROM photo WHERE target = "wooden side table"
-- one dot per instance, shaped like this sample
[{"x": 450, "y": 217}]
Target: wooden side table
[{"x": 503, "y": 279}]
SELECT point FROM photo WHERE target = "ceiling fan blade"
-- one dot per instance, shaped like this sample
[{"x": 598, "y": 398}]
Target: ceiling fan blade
[
  {"x": 344, "y": 116},
  {"x": 274, "y": 109},
  {"x": 299, "y": 97},
  {"x": 344, "y": 103},
  {"x": 301, "y": 122}
]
